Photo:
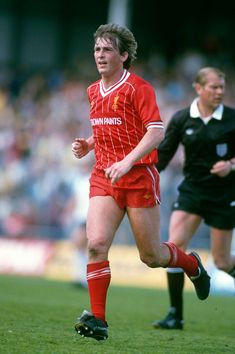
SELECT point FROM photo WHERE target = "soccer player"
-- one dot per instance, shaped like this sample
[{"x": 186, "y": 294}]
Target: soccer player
[
  {"x": 206, "y": 129},
  {"x": 127, "y": 128}
]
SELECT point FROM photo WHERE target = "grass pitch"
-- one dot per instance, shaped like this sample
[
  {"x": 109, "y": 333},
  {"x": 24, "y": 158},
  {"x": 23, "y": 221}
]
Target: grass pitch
[{"x": 37, "y": 316}]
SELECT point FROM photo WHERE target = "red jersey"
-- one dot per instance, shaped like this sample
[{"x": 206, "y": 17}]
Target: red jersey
[{"x": 120, "y": 116}]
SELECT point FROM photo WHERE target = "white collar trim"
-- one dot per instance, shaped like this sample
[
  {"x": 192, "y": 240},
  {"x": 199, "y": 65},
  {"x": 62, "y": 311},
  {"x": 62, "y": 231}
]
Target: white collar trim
[
  {"x": 104, "y": 92},
  {"x": 194, "y": 111}
]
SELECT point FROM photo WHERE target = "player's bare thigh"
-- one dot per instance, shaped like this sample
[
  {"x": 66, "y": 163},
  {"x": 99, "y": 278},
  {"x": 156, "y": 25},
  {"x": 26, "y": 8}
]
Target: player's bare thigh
[
  {"x": 182, "y": 227},
  {"x": 103, "y": 219}
]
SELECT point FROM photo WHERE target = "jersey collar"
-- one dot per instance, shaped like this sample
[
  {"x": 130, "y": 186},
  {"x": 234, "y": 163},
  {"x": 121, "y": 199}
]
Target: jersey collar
[
  {"x": 105, "y": 92},
  {"x": 194, "y": 111}
]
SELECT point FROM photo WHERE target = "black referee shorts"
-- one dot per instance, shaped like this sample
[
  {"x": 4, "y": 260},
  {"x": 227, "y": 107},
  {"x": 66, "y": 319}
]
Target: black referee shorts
[{"x": 215, "y": 206}]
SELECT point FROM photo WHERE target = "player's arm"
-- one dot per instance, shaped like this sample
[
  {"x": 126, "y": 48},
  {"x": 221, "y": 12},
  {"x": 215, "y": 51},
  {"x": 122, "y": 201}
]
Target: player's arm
[
  {"x": 81, "y": 146},
  {"x": 223, "y": 168},
  {"x": 148, "y": 143}
]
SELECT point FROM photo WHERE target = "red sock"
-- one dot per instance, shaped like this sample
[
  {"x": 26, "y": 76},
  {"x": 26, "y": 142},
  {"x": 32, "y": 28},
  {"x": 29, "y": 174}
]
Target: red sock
[
  {"x": 98, "y": 279},
  {"x": 179, "y": 259}
]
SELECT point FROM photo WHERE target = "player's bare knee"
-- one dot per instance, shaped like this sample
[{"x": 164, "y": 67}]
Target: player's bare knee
[
  {"x": 93, "y": 252},
  {"x": 222, "y": 265},
  {"x": 96, "y": 248}
]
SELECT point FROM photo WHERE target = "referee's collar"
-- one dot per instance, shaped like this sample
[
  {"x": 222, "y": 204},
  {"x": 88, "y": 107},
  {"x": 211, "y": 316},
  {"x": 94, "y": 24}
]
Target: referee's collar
[{"x": 194, "y": 111}]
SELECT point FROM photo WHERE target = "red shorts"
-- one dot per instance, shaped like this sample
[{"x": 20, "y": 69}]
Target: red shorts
[{"x": 139, "y": 188}]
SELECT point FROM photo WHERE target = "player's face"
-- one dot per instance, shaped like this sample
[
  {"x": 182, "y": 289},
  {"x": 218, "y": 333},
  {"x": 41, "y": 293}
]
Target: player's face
[
  {"x": 212, "y": 92},
  {"x": 108, "y": 59}
]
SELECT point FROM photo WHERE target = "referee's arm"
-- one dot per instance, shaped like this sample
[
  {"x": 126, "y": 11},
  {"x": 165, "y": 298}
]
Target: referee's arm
[{"x": 169, "y": 145}]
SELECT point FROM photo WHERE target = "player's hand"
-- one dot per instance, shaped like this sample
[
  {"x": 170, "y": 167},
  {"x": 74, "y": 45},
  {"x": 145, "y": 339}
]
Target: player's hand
[
  {"x": 221, "y": 168},
  {"x": 80, "y": 147},
  {"x": 117, "y": 170}
]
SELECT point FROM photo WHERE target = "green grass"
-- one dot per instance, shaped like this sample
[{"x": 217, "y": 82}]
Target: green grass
[{"x": 37, "y": 316}]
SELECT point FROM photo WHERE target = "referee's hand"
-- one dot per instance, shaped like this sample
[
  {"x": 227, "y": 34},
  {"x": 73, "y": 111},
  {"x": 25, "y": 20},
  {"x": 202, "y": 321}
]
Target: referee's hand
[{"x": 221, "y": 168}]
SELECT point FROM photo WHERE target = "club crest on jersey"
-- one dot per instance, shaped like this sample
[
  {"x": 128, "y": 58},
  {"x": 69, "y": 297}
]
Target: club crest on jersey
[
  {"x": 221, "y": 149},
  {"x": 115, "y": 103}
]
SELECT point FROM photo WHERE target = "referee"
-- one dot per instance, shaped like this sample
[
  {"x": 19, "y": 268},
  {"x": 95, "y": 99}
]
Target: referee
[{"x": 206, "y": 129}]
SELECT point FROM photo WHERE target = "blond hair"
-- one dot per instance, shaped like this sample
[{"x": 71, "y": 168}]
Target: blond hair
[{"x": 201, "y": 77}]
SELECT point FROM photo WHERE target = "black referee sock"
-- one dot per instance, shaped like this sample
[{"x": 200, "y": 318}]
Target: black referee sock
[{"x": 175, "y": 286}]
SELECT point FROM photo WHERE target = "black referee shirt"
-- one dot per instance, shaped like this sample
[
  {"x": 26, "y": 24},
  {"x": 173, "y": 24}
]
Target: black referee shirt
[{"x": 204, "y": 145}]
